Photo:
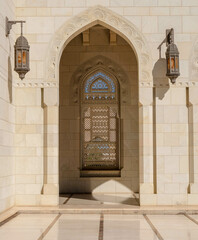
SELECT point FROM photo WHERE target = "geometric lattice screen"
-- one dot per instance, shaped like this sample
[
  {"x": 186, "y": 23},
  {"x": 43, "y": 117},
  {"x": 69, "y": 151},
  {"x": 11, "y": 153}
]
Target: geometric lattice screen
[{"x": 100, "y": 122}]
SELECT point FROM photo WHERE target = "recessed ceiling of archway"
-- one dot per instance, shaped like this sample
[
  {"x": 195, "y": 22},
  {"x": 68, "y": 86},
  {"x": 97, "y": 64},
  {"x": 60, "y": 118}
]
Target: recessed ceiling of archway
[{"x": 99, "y": 54}]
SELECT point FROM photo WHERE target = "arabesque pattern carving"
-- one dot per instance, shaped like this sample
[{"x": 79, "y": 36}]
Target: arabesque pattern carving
[
  {"x": 109, "y": 19},
  {"x": 100, "y": 63},
  {"x": 99, "y": 121}
]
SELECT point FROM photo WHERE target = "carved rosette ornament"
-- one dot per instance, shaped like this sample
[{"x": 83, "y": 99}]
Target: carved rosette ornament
[{"x": 109, "y": 19}]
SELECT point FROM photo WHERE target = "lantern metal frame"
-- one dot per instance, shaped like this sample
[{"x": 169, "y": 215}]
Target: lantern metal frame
[
  {"x": 21, "y": 50},
  {"x": 172, "y": 56}
]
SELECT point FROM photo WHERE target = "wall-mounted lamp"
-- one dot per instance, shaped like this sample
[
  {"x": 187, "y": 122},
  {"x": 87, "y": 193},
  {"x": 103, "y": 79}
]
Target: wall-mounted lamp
[
  {"x": 172, "y": 56},
  {"x": 21, "y": 50}
]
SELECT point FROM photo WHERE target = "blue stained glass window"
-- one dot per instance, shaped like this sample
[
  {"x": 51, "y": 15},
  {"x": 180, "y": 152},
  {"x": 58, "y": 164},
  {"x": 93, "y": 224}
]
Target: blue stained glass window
[
  {"x": 99, "y": 85},
  {"x": 91, "y": 86}
]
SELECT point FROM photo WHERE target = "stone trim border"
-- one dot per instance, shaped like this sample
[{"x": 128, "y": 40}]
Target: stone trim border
[
  {"x": 101, "y": 227},
  {"x": 9, "y": 218},
  {"x": 49, "y": 227},
  {"x": 67, "y": 200},
  {"x": 192, "y": 219},
  {"x": 120, "y": 211},
  {"x": 153, "y": 227}
]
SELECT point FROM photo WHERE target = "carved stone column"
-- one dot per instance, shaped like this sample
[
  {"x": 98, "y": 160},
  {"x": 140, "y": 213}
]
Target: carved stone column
[
  {"x": 193, "y": 139},
  {"x": 50, "y": 142},
  {"x": 146, "y": 144}
]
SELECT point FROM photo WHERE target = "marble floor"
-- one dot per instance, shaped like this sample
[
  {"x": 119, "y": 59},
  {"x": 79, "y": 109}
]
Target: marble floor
[
  {"x": 25, "y": 226},
  {"x": 99, "y": 217}
]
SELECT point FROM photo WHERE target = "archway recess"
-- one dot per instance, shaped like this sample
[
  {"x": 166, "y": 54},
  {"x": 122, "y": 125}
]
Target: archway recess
[{"x": 134, "y": 37}]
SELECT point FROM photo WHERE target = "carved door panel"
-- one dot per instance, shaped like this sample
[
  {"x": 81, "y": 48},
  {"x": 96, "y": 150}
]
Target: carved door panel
[
  {"x": 100, "y": 135},
  {"x": 99, "y": 123}
]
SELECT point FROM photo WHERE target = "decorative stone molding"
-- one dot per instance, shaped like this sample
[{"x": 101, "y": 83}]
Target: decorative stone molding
[
  {"x": 177, "y": 84},
  {"x": 99, "y": 63},
  {"x": 145, "y": 84},
  {"x": 109, "y": 19},
  {"x": 36, "y": 84},
  {"x": 141, "y": 84}
]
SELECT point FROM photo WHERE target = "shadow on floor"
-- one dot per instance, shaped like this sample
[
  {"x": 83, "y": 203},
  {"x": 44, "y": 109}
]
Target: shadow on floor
[{"x": 98, "y": 199}]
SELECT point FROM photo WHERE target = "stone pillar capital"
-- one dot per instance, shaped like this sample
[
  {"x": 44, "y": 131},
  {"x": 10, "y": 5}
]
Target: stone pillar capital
[
  {"x": 50, "y": 97},
  {"x": 145, "y": 96},
  {"x": 193, "y": 95}
]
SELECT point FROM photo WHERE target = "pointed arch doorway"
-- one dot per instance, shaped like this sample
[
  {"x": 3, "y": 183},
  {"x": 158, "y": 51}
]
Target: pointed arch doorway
[
  {"x": 98, "y": 126},
  {"x": 124, "y": 28}
]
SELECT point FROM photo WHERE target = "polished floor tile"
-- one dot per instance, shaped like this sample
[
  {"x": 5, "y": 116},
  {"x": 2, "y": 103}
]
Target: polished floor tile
[
  {"x": 75, "y": 227},
  {"x": 26, "y": 226},
  {"x": 127, "y": 227},
  {"x": 175, "y": 227}
]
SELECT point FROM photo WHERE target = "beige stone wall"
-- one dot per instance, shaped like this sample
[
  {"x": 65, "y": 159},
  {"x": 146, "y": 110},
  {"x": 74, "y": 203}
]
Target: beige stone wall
[
  {"x": 173, "y": 159},
  {"x": 172, "y": 145},
  {"x": 7, "y": 110},
  {"x": 29, "y": 145},
  {"x": 74, "y": 55},
  {"x": 36, "y": 146}
]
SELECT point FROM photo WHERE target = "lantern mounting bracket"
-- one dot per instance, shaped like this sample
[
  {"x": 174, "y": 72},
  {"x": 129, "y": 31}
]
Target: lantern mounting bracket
[
  {"x": 168, "y": 39},
  {"x": 169, "y": 36},
  {"x": 8, "y": 25}
]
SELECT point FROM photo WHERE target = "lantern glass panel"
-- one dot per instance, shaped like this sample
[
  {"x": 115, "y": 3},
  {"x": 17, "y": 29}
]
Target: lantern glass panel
[
  {"x": 24, "y": 58},
  {"x": 172, "y": 63},
  {"x": 168, "y": 64},
  {"x": 19, "y": 58},
  {"x": 176, "y": 63}
]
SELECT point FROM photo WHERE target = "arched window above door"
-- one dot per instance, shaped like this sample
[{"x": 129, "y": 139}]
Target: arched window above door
[
  {"x": 100, "y": 130},
  {"x": 100, "y": 86}
]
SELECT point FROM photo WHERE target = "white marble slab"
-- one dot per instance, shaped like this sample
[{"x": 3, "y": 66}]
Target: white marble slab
[
  {"x": 26, "y": 226},
  {"x": 75, "y": 227},
  {"x": 127, "y": 227},
  {"x": 175, "y": 227}
]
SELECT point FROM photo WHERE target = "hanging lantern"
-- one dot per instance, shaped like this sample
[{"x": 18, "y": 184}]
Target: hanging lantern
[
  {"x": 21, "y": 56},
  {"x": 172, "y": 57},
  {"x": 21, "y": 50}
]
